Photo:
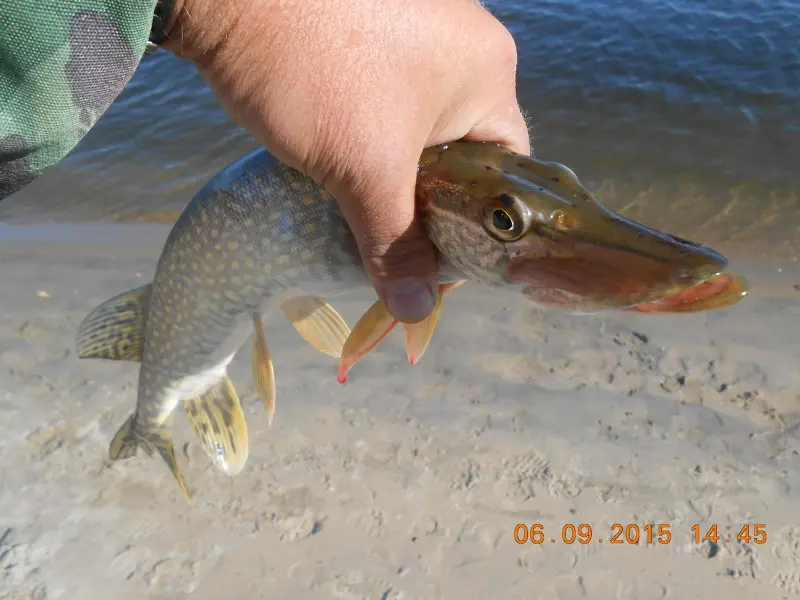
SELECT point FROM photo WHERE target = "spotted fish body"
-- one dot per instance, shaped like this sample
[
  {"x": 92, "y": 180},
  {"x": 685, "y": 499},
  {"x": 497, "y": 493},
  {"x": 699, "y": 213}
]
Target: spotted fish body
[
  {"x": 228, "y": 256},
  {"x": 249, "y": 239},
  {"x": 260, "y": 233},
  {"x": 253, "y": 237}
]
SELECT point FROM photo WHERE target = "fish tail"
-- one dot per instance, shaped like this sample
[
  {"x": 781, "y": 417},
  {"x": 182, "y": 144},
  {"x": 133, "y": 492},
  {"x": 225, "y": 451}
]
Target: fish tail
[
  {"x": 161, "y": 439},
  {"x": 129, "y": 438},
  {"x": 124, "y": 444}
]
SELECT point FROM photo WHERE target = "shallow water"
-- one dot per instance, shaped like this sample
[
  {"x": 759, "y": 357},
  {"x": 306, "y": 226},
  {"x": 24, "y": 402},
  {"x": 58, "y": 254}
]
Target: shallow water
[{"x": 684, "y": 115}]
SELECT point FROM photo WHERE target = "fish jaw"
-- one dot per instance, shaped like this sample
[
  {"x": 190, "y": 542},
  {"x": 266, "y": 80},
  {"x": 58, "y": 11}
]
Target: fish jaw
[
  {"x": 724, "y": 290},
  {"x": 553, "y": 241},
  {"x": 598, "y": 276}
]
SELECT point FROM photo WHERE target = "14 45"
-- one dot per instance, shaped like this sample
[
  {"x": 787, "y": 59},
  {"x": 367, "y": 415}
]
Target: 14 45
[{"x": 755, "y": 534}]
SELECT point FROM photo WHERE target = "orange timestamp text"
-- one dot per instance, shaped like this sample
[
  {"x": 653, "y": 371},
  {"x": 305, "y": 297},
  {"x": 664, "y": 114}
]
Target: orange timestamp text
[{"x": 632, "y": 533}]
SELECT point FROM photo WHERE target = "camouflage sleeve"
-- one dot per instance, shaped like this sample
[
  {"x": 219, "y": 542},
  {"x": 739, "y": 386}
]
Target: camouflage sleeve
[{"x": 62, "y": 64}]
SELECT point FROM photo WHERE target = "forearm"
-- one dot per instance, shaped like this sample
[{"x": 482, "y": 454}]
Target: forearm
[{"x": 63, "y": 63}]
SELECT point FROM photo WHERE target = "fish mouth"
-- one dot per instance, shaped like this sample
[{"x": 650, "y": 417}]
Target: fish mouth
[
  {"x": 620, "y": 265},
  {"x": 723, "y": 290}
]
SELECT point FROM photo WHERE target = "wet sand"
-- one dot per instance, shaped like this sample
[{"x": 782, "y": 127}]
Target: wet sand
[{"x": 407, "y": 482}]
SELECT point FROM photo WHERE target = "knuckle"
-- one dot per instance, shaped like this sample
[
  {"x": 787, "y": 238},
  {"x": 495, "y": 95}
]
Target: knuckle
[
  {"x": 500, "y": 52},
  {"x": 506, "y": 48}
]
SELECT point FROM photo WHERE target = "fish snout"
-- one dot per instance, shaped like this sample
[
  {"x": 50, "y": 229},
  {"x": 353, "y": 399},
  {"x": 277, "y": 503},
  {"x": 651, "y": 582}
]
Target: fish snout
[{"x": 616, "y": 265}]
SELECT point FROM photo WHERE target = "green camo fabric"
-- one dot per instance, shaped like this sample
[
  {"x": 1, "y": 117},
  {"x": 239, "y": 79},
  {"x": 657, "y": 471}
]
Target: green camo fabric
[{"x": 62, "y": 64}]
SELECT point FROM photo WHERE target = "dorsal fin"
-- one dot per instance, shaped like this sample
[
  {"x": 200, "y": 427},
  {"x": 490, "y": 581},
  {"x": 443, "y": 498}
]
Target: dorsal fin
[{"x": 115, "y": 329}]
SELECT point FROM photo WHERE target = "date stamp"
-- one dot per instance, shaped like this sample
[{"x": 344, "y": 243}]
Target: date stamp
[{"x": 632, "y": 533}]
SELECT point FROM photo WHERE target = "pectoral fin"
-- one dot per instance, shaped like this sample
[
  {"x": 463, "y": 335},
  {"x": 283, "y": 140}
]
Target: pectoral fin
[
  {"x": 377, "y": 322},
  {"x": 449, "y": 287},
  {"x": 218, "y": 421},
  {"x": 418, "y": 335},
  {"x": 114, "y": 330},
  {"x": 371, "y": 328},
  {"x": 263, "y": 371},
  {"x": 318, "y": 323}
]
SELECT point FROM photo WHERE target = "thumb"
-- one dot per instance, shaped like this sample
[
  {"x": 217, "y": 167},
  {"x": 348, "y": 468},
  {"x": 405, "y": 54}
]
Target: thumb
[{"x": 399, "y": 258}]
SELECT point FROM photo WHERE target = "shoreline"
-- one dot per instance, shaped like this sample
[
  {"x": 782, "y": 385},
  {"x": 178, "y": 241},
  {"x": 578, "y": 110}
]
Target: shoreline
[{"x": 157, "y": 225}]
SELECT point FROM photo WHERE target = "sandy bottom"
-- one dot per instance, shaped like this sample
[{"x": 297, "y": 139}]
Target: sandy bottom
[{"x": 408, "y": 482}]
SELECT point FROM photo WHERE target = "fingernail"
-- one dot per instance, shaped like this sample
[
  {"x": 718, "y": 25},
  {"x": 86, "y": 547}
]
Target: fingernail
[{"x": 409, "y": 301}]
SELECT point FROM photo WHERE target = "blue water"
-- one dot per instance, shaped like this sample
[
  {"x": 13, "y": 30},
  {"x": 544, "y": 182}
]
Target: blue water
[
  {"x": 688, "y": 85},
  {"x": 685, "y": 115}
]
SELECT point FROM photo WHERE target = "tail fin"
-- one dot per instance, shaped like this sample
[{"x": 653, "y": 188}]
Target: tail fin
[
  {"x": 124, "y": 444},
  {"x": 115, "y": 329},
  {"x": 128, "y": 439}
]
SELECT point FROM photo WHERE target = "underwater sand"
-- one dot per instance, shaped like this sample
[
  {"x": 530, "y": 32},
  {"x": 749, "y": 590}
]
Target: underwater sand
[{"x": 407, "y": 482}]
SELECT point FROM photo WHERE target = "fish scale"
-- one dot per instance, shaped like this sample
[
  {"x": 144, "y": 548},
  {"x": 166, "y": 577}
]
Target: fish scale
[
  {"x": 252, "y": 253},
  {"x": 261, "y": 234}
]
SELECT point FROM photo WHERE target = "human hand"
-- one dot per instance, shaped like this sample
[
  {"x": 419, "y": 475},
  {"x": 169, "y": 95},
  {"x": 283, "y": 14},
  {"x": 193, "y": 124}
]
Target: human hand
[{"x": 350, "y": 92}]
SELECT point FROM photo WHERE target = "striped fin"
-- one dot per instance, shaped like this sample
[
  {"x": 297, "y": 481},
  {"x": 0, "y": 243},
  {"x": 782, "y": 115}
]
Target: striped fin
[
  {"x": 318, "y": 323},
  {"x": 129, "y": 438},
  {"x": 371, "y": 328},
  {"x": 115, "y": 329},
  {"x": 263, "y": 372},
  {"x": 218, "y": 421},
  {"x": 124, "y": 444}
]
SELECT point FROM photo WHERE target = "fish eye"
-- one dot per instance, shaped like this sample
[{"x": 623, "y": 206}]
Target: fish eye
[
  {"x": 506, "y": 218},
  {"x": 502, "y": 220}
]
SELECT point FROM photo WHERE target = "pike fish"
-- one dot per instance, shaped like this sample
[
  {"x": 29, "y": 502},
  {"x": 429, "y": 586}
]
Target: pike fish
[{"x": 261, "y": 235}]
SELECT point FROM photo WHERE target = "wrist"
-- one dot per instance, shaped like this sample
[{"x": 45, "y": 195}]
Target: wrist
[
  {"x": 196, "y": 27},
  {"x": 162, "y": 16}
]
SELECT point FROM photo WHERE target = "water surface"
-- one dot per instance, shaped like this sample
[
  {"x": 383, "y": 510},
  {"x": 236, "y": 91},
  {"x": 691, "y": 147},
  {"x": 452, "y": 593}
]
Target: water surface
[{"x": 683, "y": 114}]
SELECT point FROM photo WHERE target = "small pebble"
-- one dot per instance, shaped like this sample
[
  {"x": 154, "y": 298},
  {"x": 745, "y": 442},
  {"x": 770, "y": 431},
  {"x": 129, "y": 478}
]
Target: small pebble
[{"x": 42, "y": 294}]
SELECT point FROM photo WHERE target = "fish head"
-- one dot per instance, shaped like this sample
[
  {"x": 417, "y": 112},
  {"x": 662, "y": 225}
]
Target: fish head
[{"x": 510, "y": 220}]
